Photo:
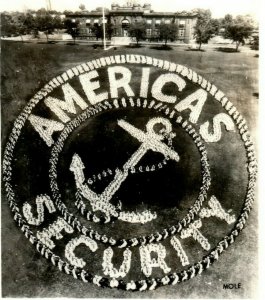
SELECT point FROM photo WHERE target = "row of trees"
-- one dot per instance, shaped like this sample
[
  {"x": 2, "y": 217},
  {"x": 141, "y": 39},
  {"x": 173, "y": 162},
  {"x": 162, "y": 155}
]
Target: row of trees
[
  {"x": 30, "y": 23},
  {"x": 165, "y": 32},
  {"x": 237, "y": 29}
]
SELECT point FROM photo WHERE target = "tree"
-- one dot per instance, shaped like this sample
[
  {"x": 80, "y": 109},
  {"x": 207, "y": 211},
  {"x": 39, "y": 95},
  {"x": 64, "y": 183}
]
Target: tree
[
  {"x": 57, "y": 22},
  {"x": 205, "y": 27},
  {"x": 23, "y": 24},
  {"x": 98, "y": 31},
  {"x": 72, "y": 28},
  {"x": 29, "y": 24},
  {"x": 138, "y": 31},
  {"x": 53, "y": 12},
  {"x": 67, "y": 12},
  {"x": 7, "y": 26},
  {"x": 43, "y": 21},
  {"x": 239, "y": 30},
  {"x": 216, "y": 25},
  {"x": 227, "y": 20},
  {"x": 46, "y": 22},
  {"x": 82, "y": 7},
  {"x": 167, "y": 32},
  {"x": 255, "y": 43},
  {"x": 109, "y": 30}
]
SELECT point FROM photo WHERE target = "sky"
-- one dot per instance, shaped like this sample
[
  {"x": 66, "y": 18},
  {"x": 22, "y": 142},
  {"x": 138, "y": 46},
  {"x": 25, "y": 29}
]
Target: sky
[{"x": 219, "y": 8}]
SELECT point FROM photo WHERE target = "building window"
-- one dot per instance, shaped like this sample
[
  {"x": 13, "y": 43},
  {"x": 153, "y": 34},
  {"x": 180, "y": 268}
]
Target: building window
[
  {"x": 149, "y": 31},
  {"x": 156, "y": 32},
  {"x": 125, "y": 21},
  {"x": 149, "y": 21},
  {"x": 181, "y": 33},
  {"x": 87, "y": 22},
  {"x": 182, "y": 23},
  {"x": 95, "y": 21},
  {"x": 167, "y": 21},
  {"x": 125, "y": 24},
  {"x": 157, "y": 23}
]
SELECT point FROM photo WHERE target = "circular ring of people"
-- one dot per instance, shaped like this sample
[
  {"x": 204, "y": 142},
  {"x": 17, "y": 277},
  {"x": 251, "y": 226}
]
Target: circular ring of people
[{"x": 130, "y": 172}]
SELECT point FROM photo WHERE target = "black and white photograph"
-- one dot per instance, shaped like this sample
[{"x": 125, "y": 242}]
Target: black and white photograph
[{"x": 130, "y": 135}]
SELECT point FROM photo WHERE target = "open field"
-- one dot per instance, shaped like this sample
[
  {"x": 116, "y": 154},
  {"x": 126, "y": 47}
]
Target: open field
[{"x": 26, "y": 68}]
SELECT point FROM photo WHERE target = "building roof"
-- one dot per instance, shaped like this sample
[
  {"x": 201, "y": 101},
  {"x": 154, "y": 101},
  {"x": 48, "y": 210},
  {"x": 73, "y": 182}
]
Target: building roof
[
  {"x": 139, "y": 12},
  {"x": 131, "y": 9},
  {"x": 162, "y": 14},
  {"x": 87, "y": 14}
]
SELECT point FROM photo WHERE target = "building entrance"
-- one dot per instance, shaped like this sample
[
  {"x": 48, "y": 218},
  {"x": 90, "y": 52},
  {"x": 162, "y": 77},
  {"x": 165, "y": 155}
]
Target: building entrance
[
  {"x": 125, "y": 27},
  {"x": 125, "y": 32}
]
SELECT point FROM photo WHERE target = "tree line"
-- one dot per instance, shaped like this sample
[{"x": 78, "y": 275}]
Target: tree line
[
  {"x": 238, "y": 29},
  {"x": 31, "y": 22}
]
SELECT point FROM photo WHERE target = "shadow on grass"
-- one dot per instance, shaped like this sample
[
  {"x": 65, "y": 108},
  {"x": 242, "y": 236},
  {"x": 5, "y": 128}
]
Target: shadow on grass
[
  {"x": 101, "y": 47},
  {"x": 195, "y": 50},
  {"x": 47, "y": 43},
  {"x": 97, "y": 46},
  {"x": 225, "y": 49},
  {"x": 134, "y": 46},
  {"x": 71, "y": 44},
  {"x": 254, "y": 47},
  {"x": 163, "y": 47}
]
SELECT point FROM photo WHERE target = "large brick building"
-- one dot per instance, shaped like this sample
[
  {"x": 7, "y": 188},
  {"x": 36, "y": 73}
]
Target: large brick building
[{"x": 122, "y": 16}]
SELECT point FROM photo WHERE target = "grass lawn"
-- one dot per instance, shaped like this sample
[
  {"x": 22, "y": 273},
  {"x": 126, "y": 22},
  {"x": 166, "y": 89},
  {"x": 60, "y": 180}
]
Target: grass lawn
[{"x": 27, "y": 67}]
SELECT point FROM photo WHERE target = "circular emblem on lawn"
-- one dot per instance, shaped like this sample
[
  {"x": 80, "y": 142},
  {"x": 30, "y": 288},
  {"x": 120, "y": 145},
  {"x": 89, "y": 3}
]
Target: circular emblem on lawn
[{"x": 130, "y": 172}]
